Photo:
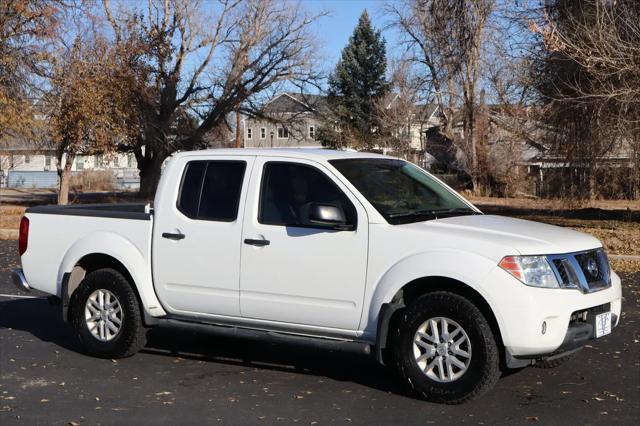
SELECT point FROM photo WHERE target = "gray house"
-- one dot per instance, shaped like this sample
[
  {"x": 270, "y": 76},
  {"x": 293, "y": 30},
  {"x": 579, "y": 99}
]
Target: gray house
[{"x": 288, "y": 120}]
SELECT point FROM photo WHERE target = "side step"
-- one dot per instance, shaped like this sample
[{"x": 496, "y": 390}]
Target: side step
[{"x": 272, "y": 336}]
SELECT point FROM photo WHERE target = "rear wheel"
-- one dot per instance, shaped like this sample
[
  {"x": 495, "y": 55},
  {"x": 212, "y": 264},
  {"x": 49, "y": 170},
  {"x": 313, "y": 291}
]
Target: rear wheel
[
  {"x": 445, "y": 349},
  {"x": 106, "y": 315}
]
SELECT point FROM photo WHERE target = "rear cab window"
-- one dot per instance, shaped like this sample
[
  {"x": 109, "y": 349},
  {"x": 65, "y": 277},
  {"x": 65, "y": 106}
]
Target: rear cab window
[{"x": 210, "y": 190}]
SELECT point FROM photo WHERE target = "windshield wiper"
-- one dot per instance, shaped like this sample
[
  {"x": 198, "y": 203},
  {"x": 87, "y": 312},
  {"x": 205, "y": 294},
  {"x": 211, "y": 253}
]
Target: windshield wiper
[
  {"x": 454, "y": 211},
  {"x": 434, "y": 213}
]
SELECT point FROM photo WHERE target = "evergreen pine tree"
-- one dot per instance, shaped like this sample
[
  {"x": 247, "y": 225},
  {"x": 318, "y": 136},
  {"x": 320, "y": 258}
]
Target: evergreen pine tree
[{"x": 357, "y": 82}]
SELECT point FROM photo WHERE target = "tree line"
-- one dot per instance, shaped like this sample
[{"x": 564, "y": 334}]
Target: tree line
[{"x": 163, "y": 76}]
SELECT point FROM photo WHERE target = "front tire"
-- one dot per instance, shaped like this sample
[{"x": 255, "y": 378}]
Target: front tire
[
  {"x": 106, "y": 315},
  {"x": 445, "y": 350}
]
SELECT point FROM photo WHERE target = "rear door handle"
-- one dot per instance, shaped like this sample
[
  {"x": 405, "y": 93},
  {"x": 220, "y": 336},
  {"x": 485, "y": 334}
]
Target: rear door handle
[
  {"x": 173, "y": 236},
  {"x": 259, "y": 243}
]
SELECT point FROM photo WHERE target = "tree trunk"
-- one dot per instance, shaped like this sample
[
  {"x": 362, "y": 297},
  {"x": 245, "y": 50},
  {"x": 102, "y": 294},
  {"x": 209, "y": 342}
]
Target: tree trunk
[
  {"x": 150, "y": 170},
  {"x": 64, "y": 173},
  {"x": 238, "y": 130},
  {"x": 593, "y": 190}
]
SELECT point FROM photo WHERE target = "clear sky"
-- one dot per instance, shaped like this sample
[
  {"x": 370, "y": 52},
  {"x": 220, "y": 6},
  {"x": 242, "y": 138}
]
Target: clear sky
[{"x": 334, "y": 30}]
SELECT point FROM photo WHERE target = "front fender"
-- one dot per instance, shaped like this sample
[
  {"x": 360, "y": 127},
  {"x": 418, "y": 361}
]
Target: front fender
[
  {"x": 466, "y": 267},
  {"x": 123, "y": 251}
]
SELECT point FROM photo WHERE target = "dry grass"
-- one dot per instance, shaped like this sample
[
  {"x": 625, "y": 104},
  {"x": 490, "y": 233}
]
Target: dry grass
[
  {"x": 618, "y": 237},
  {"x": 619, "y": 265},
  {"x": 553, "y": 204},
  {"x": 93, "y": 180},
  {"x": 10, "y": 216}
]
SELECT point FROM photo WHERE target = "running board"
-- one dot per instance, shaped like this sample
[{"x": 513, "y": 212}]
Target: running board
[{"x": 271, "y": 336}]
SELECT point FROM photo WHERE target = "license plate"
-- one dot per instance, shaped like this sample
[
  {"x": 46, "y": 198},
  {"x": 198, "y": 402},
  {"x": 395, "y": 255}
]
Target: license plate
[{"x": 603, "y": 324}]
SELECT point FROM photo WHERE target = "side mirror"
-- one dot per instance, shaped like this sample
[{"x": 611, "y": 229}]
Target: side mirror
[{"x": 328, "y": 216}]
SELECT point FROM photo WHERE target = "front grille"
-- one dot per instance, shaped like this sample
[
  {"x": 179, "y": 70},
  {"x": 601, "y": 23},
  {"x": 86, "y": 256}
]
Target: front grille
[
  {"x": 591, "y": 265},
  {"x": 585, "y": 315},
  {"x": 588, "y": 271},
  {"x": 562, "y": 271}
]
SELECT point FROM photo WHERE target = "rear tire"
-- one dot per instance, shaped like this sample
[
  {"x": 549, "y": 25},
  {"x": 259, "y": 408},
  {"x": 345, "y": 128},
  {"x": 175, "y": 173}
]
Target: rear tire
[
  {"x": 465, "y": 347},
  {"x": 106, "y": 315}
]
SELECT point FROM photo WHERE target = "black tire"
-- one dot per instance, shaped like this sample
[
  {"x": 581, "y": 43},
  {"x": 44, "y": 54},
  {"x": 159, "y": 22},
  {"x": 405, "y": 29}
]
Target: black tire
[
  {"x": 554, "y": 362},
  {"x": 484, "y": 366},
  {"x": 131, "y": 336}
]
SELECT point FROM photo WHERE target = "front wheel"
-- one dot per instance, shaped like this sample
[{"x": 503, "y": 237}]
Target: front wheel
[
  {"x": 445, "y": 349},
  {"x": 106, "y": 315}
]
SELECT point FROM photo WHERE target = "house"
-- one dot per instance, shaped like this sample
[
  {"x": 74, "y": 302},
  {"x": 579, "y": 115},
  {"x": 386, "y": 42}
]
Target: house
[
  {"x": 24, "y": 164},
  {"x": 287, "y": 120}
]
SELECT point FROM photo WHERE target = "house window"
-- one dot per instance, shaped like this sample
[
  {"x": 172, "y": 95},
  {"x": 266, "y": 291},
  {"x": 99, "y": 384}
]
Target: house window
[
  {"x": 263, "y": 133},
  {"x": 312, "y": 132},
  {"x": 99, "y": 161},
  {"x": 129, "y": 160},
  {"x": 249, "y": 133},
  {"x": 116, "y": 161},
  {"x": 80, "y": 163},
  {"x": 47, "y": 161},
  {"x": 283, "y": 133},
  {"x": 27, "y": 159}
]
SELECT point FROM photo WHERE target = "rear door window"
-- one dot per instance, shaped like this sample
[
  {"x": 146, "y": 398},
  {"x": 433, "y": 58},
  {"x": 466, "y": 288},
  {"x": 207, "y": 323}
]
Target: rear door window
[{"x": 210, "y": 190}]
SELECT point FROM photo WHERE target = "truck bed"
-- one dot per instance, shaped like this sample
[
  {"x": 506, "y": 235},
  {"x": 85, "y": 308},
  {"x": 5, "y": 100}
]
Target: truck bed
[{"x": 60, "y": 235}]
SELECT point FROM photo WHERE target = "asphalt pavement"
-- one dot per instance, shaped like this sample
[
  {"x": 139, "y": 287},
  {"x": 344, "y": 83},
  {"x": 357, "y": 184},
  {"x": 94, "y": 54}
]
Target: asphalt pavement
[{"x": 185, "y": 377}]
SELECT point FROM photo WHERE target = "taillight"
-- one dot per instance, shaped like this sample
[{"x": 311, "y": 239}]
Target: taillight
[{"x": 23, "y": 237}]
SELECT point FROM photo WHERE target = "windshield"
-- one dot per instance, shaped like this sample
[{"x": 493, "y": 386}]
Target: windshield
[{"x": 400, "y": 191}]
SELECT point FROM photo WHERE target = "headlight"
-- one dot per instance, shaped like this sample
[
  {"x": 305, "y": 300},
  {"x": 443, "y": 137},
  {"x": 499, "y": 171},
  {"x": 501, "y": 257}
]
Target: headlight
[{"x": 534, "y": 271}]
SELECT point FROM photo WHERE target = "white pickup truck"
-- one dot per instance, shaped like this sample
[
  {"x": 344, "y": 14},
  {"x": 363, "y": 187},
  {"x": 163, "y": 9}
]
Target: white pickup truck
[{"x": 352, "y": 249}]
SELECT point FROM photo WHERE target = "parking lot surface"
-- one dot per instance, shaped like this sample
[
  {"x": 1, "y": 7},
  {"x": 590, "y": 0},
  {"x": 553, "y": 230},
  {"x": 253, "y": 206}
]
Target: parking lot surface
[{"x": 187, "y": 377}]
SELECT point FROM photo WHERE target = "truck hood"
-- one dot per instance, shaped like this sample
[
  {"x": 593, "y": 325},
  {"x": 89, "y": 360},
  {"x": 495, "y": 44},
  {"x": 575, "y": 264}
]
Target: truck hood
[{"x": 514, "y": 235}]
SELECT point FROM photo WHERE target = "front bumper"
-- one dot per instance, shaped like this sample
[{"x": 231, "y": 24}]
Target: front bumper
[
  {"x": 19, "y": 280},
  {"x": 536, "y": 322},
  {"x": 578, "y": 335}
]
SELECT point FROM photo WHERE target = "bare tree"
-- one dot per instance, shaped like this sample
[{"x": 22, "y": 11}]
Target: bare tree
[
  {"x": 587, "y": 75},
  {"x": 446, "y": 40},
  {"x": 190, "y": 67},
  {"x": 402, "y": 112}
]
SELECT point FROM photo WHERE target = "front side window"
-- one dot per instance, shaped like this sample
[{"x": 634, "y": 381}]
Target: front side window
[
  {"x": 312, "y": 132},
  {"x": 210, "y": 190},
  {"x": 249, "y": 133},
  {"x": 289, "y": 189},
  {"x": 400, "y": 191},
  {"x": 263, "y": 133}
]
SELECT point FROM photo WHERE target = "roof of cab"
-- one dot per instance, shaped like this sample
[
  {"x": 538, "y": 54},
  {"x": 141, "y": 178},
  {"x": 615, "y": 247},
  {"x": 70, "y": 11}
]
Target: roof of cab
[{"x": 317, "y": 154}]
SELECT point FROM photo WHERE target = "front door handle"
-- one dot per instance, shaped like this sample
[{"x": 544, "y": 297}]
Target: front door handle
[
  {"x": 259, "y": 243},
  {"x": 173, "y": 236}
]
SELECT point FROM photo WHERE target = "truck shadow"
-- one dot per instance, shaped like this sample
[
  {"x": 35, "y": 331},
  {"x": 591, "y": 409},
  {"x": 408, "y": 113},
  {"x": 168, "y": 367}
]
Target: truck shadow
[{"x": 42, "y": 320}]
